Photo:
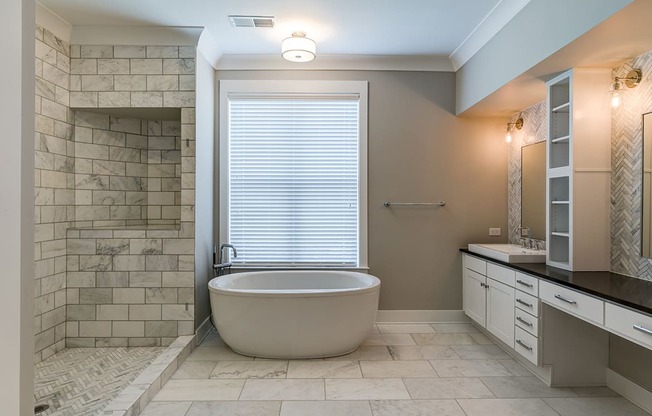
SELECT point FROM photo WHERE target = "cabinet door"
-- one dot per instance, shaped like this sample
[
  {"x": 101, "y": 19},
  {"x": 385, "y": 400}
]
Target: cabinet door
[
  {"x": 500, "y": 311},
  {"x": 475, "y": 302}
]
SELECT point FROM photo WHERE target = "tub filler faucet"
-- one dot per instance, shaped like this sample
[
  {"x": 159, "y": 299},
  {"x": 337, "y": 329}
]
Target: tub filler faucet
[{"x": 221, "y": 266}]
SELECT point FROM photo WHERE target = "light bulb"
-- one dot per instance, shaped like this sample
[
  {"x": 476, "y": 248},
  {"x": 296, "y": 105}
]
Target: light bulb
[
  {"x": 615, "y": 99},
  {"x": 508, "y": 137}
]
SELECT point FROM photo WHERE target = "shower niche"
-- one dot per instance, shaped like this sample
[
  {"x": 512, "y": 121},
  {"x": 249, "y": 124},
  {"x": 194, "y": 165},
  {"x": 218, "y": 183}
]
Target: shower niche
[{"x": 127, "y": 167}]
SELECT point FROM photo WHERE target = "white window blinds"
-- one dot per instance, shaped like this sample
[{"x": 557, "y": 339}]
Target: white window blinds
[{"x": 293, "y": 166}]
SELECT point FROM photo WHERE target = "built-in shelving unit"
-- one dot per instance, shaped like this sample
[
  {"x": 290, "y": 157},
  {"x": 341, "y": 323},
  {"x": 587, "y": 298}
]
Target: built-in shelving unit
[{"x": 578, "y": 170}]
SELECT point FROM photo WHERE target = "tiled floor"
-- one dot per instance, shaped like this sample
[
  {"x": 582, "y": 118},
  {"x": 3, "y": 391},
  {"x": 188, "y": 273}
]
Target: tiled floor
[
  {"x": 82, "y": 381},
  {"x": 401, "y": 370}
]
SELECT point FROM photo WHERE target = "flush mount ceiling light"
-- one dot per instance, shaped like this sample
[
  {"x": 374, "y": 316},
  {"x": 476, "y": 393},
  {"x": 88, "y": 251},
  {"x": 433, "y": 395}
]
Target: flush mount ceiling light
[
  {"x": 298, "y": 48},
  {"x": 631, "y": 80},
  {"x": 518, "y": 124}
]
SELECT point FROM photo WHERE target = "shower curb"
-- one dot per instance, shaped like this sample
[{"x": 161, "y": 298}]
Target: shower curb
[{"x": 137, "y": 395}]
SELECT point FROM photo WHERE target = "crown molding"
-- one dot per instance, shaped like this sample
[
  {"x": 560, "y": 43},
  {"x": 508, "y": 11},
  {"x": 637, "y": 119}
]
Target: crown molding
[
  {"x": 54, "y": 23},
  {"x": 136, "y": 35}
]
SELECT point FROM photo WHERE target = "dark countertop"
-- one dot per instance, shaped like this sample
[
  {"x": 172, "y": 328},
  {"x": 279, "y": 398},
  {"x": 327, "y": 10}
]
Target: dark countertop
[{"x": 616, "y": 288}]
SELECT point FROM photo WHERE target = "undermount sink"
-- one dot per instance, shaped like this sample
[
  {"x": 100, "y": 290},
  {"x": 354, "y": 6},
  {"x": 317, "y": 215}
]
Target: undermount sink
[{"x": 509, "y": 253}]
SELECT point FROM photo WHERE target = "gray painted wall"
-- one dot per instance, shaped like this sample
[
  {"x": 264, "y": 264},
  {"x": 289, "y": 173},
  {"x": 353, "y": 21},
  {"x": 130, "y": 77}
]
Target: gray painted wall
[{"x": 419, "y": 151}]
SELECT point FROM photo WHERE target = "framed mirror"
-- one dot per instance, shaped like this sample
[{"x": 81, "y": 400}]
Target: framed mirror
[
  {"x": 646, "y": 194},
  {"x": 533, "y": 189}
]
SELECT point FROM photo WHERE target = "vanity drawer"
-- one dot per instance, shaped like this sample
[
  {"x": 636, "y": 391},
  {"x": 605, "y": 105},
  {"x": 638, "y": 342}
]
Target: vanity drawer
[
  {"x": 527, "y": 345},
  {"x": 475, "y": 264},
  {"x": 527, "y": 303},
  {"x": 501, "y": 274},
  {"x": 526, "y": 283},
  {"x": 633, "y": 325},
  {"x": 526, "y": 321},
  {"x": 573, "y": 302}
]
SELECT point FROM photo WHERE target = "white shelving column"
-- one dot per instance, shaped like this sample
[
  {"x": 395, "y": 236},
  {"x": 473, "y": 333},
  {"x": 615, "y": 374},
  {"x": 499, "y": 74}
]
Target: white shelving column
[{"x": 579, "y": 170}]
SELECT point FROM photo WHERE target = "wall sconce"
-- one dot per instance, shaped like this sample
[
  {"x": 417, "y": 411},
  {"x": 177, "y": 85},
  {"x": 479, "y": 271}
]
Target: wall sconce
[
  {"x": 518, "y": 124},
  {"x": 631, "y": 80},
  {"x": 298, "y": 48}
]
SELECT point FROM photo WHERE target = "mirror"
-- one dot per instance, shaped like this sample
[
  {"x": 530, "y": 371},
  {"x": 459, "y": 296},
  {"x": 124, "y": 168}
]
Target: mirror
[
  {"x": 646, "y": 196},
  {"x": 533, "y": 189}
]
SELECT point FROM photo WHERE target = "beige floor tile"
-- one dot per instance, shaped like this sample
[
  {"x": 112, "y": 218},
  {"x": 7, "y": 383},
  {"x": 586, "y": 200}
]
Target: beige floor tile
[
  {"x": 250, "y": 369},
  {"x": 216, "y": 354},
  {"x": 453, "y": 328},
  {"x": 443, "y": 339},
  {"x": 326, "y": 408},
  {"x": 481, "y": 339},
  {"x": 365, "y": 352},
  {"x": 595, "y": 406},
  {"x": 235, "y": 409},
  {"x": 374, "y": 330},
  {"x": 405, "y": 329},
  {"x": 479, "y": 352},
  {"x": 422, "y": 352},
  {"x": 597, "y": 391},
  {"x": 283, "y": 389},
  {"x": 416, "y": 408},
  {"x": 446, "y": 388},
  {"x": 324, "y": 369},
  {"x": 469, "y": 368},
  {"x": 194, "y": 369},
  {"x": 166, "y": 409},
  {"x": 514, "y": 367},
  {"x": 200, "y": 390},
  {"x": 394, "y": 369},
  {"x": 366, "y": 389},
  {"x": 506, "y": 407},
  {"x": 521, "y": 387},
  {"x": 389, "y": 339}
]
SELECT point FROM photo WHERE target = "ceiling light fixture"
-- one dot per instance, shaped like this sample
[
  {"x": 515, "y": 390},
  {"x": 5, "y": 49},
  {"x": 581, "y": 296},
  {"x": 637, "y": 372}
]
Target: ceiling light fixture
[
  {"x": 298, "y": 48},
  {"x": 518, "y": 124},
  {"x": 631, "y": 80}
]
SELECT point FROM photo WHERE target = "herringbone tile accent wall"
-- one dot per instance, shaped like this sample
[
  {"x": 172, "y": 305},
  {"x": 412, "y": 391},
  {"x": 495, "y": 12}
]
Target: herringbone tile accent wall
[
  {"x": 533, "y": 131},
  {"x": 82, "y": 381},
  {"x": 626, "y": 181}
]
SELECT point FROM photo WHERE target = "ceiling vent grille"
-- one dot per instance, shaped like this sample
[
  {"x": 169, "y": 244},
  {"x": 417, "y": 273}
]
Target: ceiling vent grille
[{"x": 251, "y": 21}]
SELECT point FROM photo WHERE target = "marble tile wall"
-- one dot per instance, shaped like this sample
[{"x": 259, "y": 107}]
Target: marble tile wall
[
  {"x": 54, "y": 190},
  {"x": 626, "y": 168},
  {"x": 129, "y": 287},
  {"x": 533, "y": 131},
  {"x": 127, "y": 171}
]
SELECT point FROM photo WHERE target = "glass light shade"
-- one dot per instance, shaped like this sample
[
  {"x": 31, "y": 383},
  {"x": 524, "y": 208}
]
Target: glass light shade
[
  {"x": 615, "y": 99},
  {"x": 298, "y": 48},
  {"x": 508, "y": 137}
]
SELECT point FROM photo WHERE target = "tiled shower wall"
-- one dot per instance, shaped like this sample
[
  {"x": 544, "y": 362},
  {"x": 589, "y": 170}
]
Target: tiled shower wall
[
  {"x": 54, "y": 191},
  {"x": 113, "y": 76},
  {"x": 533, "y": 131},
  {"x": 626, "y": 181},
  {"x": 127, "y": 171}
]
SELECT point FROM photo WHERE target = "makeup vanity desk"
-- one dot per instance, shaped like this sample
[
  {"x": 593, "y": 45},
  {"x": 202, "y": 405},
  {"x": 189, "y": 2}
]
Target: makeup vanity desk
[{"x": 525, "y": 308}]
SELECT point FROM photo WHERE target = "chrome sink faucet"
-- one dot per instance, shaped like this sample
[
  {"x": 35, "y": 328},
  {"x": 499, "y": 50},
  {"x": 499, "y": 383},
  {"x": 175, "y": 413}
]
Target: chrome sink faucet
[{"x": 527, "y": 243}]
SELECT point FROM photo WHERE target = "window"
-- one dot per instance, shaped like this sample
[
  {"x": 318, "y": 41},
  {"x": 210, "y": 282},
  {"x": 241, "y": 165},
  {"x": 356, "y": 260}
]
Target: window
[{"x": 293, "y": 173}]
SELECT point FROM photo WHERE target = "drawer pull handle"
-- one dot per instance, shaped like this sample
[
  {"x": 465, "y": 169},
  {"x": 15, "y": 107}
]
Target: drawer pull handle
[
  {"x": 524, "y": 345},
  {"x": 518, "y": 318},
  {"x": 520, "y": 282},
  {"x": 529, "y": 305},
  {"x": 563, "y": 299},
  {"x": 643, "y": 329}
]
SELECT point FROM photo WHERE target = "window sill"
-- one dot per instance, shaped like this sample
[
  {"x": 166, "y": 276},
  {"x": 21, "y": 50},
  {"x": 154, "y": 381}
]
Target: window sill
[{"x": 258, "y": 268}]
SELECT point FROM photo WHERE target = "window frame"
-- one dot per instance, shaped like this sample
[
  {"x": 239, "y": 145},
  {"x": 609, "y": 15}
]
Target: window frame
[{"x": 307, "y": 88}]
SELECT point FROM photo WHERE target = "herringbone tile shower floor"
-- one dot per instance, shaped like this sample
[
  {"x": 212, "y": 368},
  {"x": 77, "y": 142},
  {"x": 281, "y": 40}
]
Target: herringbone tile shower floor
[{"x": 82, "y": 381}]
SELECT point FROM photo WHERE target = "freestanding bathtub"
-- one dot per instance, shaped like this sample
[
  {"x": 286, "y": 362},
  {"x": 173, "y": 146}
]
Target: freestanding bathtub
[{"x": 294, "y": 314}]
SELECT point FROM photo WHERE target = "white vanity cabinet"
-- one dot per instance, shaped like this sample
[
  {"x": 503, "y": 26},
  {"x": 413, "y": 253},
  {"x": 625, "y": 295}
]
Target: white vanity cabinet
[{"x": 489, "y": 297}]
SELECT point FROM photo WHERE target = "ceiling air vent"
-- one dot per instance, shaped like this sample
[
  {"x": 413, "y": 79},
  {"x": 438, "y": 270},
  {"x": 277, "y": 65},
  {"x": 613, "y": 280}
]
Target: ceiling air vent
[{"x": 251, "y": 21}]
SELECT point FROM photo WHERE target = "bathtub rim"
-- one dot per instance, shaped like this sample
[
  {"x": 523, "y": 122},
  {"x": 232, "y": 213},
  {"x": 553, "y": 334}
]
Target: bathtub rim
[{"x": 294, "y": 293}]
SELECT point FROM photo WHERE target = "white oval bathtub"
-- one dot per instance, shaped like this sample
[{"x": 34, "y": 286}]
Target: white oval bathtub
[{"x": 294, "y": 314}]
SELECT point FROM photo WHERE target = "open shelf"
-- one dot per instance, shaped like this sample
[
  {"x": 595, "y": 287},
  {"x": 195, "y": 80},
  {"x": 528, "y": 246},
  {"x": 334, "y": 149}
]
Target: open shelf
[
  {"x": 563, "y": 108},
  {"x": 560, "y": 234},
  {"x": 560, "y": 202},
  {"x": 562, "y": 139}
]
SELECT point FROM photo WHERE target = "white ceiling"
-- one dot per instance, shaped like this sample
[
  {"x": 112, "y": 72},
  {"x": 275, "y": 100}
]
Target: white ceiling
[{"x": 437, "y": 28}]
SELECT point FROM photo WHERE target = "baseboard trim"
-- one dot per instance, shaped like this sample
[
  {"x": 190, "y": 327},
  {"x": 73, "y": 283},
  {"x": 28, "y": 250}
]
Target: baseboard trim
[
  {"x": 420, "y": 316},
  {"x": 203, "y": 330},
  {"x": 629, "y": 390}
]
